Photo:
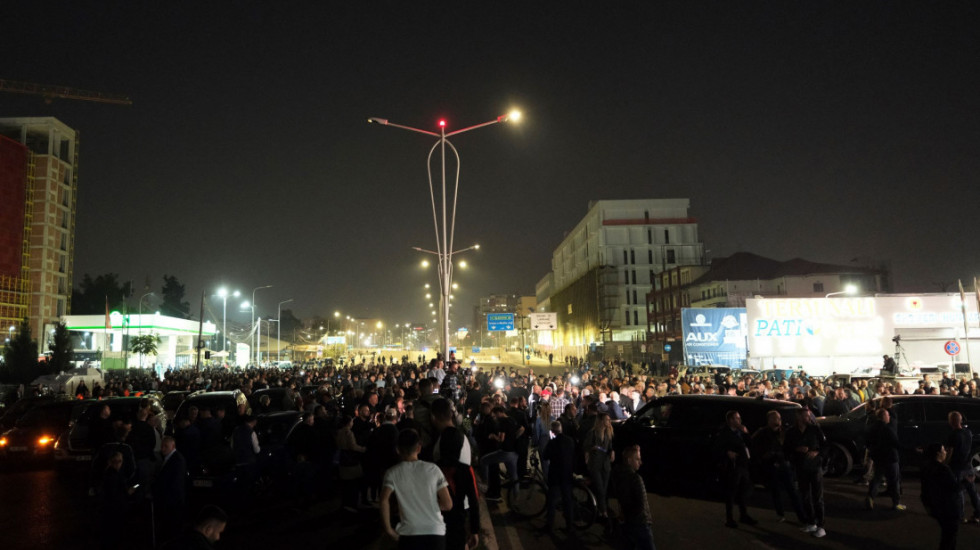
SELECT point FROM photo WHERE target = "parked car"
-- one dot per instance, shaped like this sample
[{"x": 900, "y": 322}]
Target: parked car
[
  {"x": 272, "y": 430},
  {"x": 21, "y": 406},
  {"x": 921, "y": 419},
  {"x": 75, "y": 447},
  {"x": 276, "y": 399},
  {"x": 676, "y": 434},
  {"x": 229, "y": 401},
  {"x": 172, "y": 400},
  {"x": 34, "y": 436}
]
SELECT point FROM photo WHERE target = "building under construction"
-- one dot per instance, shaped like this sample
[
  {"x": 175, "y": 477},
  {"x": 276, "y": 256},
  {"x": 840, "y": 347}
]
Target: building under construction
[{"x": 38, "y": 184}]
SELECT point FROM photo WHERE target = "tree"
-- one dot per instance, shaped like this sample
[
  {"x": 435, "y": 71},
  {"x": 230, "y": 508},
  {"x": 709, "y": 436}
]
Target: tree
[
  {"x": 20, "y": 357},
  {"x": 62, "y": 349},
  {"x": 145, "y": 344},
  {"x": 93, "y": 294},
  {"x": 173, "y": 298}
]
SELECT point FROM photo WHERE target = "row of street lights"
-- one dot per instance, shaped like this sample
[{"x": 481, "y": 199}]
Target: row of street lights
[{"x": 445, "y": 232}]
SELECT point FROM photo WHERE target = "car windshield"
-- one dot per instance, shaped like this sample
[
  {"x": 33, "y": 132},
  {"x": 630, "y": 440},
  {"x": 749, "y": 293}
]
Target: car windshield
[
  {"x": 45, "y": 416},
  {"x": 858, "y": 412}
]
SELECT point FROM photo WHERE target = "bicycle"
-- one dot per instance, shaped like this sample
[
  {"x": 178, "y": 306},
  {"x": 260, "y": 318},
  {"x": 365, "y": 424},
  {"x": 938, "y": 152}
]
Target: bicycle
[{"x": 531, "y": 497}]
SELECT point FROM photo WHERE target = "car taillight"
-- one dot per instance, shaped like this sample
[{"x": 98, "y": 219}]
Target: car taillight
[
  {"x": 3, "y": 441},
  {"x": 44, "y": 440}
]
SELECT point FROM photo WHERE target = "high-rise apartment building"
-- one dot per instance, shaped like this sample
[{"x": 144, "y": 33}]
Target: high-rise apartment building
[
  {"x": 39, "y": 180},
  {"x": 605, "y": 266}
]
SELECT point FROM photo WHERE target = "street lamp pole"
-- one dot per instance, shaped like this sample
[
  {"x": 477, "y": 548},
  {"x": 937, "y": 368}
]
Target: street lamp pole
[
  {"x": 444, "y": 245},
  {"x": 253, "y": 320},
  {"x": 279, "y": 327},
  {"x": 223, "y": 293}
]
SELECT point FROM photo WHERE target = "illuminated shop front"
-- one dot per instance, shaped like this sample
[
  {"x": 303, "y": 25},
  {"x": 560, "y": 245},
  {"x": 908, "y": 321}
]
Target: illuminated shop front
[
  {"x": 111, "y": 345},
  {"x": 842, "y": 334}
]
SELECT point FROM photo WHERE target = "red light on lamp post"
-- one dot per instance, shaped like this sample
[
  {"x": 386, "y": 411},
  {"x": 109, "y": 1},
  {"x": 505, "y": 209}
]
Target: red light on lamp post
[{"x": 442, "y": 123}]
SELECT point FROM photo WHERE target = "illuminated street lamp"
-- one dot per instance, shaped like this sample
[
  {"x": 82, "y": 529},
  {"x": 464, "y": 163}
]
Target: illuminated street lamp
[
  {"x": 223, "y": 294},
  {"x": 253, "y": 320},
  {"x": 849, "y": 289},
  {"x": 446, "y": 232}
]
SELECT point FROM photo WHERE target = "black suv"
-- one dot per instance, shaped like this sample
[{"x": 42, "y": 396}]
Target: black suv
[
  {"x": 921, "y": 419},
  {"x": 74, "y": 446},
  {"x": 34, "y": 436},
  {"x": 676, "y": 434}
]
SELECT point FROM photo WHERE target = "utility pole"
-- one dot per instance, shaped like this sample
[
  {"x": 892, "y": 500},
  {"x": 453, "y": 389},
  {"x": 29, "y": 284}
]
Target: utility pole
[{"x": 200, "y": 334}]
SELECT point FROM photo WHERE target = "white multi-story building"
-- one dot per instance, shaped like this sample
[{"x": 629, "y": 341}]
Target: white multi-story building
[{"x": 605, "y": 266}]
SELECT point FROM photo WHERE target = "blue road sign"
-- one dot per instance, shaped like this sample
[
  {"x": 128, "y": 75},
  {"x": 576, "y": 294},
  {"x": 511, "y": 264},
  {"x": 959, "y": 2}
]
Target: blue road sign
[{"x": 500, "y": 321}]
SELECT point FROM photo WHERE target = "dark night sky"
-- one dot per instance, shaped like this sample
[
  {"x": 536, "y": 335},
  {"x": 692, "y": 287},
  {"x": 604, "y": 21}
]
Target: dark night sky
[{"x": 822, "y": 130}]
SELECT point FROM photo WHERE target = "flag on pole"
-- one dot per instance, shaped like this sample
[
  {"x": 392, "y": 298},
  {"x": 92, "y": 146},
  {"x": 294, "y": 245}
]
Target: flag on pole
[{"x": 108, "y": 323}]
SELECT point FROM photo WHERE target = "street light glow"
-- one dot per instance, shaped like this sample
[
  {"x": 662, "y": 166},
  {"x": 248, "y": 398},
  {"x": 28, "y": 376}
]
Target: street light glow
[
  {"x": 462, "y": 264},
  {"x": 425, "y": 263}
]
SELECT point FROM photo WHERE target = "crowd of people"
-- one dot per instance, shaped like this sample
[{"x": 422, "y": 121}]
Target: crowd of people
[{"x": 435, "y": 434}]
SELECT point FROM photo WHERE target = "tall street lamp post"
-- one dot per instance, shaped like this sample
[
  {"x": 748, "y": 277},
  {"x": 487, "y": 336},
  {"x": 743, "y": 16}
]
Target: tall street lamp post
[
  {"x": 279, "y": 327},
  {"x": 253, "y": 319},
  {"x": 223, "y": 294},
  {"x": 446, "y": 232}
]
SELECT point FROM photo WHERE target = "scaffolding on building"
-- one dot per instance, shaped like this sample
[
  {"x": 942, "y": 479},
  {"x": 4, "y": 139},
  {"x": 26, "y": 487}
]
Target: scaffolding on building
[{"x": 15, "y": 292}]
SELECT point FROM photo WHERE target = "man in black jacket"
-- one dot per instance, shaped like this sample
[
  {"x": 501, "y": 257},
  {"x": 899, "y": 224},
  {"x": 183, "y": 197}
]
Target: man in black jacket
[
  {"x": 802, "y": 445},
  {"x": 634, "y": 506},
  {"x": 767, "y": 450},
  {"x": 960, "y": 449},
  {"x": 170, "y": 490},
  {"x": 560, "y": 451},
  {"x": 941, "y": 495},
  {"x": 883, "y": 448},
  {"x": 733, "y": 452}
]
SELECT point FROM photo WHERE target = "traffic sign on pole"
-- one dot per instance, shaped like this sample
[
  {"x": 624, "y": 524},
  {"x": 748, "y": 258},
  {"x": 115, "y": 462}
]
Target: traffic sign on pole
[
  {"x": 500, "y": 321},
  {"x": 952, "y": 347}
]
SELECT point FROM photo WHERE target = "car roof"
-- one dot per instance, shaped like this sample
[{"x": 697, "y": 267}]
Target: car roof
[{"x": 731, "y": 399}]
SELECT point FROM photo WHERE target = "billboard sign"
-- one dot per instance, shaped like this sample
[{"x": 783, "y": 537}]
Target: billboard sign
[
  {"x": 714, "y": 336},
  {"x": 714, "y": 329},
  {"x": 500, "y": 321},
  {"x": 544, "y": 321}
]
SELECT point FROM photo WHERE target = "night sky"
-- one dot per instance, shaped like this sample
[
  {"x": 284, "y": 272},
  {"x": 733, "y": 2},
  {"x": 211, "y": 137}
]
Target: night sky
[{"x": 824, "y": 130}]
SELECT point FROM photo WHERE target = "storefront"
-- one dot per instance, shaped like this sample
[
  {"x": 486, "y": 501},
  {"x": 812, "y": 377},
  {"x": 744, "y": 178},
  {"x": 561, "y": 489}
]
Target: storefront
[
  {"x": 841, "y": 334},
  {"x": 111, "y": 345}
]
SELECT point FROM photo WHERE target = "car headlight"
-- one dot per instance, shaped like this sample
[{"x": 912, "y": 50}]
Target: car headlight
[
  {"x": 3, "y": 441},
  {"x": 45, "y": 440}
]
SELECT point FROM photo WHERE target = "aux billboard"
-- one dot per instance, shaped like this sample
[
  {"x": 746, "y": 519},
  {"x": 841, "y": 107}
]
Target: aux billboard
[{"x": 714, "y": 336}]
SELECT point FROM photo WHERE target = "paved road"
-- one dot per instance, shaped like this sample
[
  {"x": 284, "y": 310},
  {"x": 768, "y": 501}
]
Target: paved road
[
  {"x": 38, "y": 510},
  {"x": 691, "y": 523}
]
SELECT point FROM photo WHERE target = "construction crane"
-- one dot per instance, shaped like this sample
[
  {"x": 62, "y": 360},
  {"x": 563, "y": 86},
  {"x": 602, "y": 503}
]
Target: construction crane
[{"x": 51, "y": 92}]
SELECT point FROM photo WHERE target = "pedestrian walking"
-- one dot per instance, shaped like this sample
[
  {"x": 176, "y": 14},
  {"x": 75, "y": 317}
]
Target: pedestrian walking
[
  {"x": 599, "y": 456},
  {"x": 634, "y": 506},
  {"x": 941, "y": 495},
  {"x": 803, "y": 444},
  {"x": 733, "y": 450},
  {"x": 422, "y": 493}
]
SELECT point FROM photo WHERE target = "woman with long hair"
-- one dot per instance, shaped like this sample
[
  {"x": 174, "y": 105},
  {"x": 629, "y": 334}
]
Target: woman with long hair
[
  {"x": 598, "y": 458},
  {"x": 541, "y": 433}
]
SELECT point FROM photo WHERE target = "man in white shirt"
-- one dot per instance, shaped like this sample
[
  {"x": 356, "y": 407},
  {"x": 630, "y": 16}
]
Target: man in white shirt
[{"x": 423, "y": 495}]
